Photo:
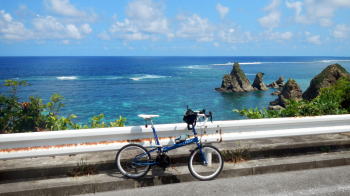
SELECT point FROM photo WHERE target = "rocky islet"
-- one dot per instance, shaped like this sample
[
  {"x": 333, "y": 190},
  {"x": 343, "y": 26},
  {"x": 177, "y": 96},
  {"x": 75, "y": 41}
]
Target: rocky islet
[{"x": 237, "y": 81}]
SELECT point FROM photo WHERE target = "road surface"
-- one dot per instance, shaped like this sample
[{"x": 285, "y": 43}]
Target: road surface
[{"x": 324, "y": 181}]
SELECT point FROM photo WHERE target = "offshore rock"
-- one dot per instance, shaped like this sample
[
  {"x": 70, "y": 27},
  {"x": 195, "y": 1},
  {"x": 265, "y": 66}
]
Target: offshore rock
[
  {"x": 236, "y": 81},
  {"x": 273, "y": 85},
  {"x": 276, "y": 93},
  {"x": 326, "y": 78},
  {"x": 291, "y": 91},
  {"x": 258, "y": 83},
  {"x": 278, "y": 83}
]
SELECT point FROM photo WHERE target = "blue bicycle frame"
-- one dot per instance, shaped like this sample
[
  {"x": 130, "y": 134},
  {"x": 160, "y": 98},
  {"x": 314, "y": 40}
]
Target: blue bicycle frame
[{"x": 168, "y": 148}]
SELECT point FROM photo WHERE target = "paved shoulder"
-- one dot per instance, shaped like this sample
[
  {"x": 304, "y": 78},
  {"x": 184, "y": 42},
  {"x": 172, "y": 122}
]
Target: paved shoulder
[{"x": 325, "y": 181}]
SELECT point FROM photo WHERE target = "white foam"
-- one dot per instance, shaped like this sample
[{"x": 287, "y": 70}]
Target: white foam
[
  {"x": 241, "y": 63},
  {"x": 228, "y": 63},
  {"x": 196, "y": 67},
  {"x": 333, "y": 60},
  {"x": 147, "y": 76},
  {"x": 112, "y": 77},
  {"x": 276, "y": 62},
  {"x": 67, "y": 77},
  {"x": 251, "y": 63}
]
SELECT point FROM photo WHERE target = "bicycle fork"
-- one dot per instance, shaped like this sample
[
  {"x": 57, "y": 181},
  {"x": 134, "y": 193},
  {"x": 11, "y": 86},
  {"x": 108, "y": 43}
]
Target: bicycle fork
[{"x": 206, "y": 157}]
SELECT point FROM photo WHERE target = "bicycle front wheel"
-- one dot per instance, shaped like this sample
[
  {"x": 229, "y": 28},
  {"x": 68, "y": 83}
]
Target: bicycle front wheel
[
  {"x": 133, "y": 161},
  {"x": 205, "y": 163}
]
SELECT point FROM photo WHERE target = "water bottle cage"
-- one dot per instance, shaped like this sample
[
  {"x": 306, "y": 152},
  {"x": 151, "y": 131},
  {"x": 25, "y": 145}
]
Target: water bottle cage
[{"x": 181, "y": 138}]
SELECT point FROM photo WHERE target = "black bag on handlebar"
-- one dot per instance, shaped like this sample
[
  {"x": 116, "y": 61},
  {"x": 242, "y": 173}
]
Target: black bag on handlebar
[{"x": 190, "y": 118}]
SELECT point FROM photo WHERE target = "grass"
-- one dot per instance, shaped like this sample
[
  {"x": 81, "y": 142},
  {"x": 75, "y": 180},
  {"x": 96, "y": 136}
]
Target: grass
[
  {"x": 83, "y": 169},
  {"x": 236, "y": 155}
]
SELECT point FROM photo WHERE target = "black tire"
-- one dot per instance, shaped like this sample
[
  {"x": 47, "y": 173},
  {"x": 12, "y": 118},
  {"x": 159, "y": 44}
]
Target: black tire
[
  {"x": 124, "y": 161},
  {"x": 203, "y": 171}
]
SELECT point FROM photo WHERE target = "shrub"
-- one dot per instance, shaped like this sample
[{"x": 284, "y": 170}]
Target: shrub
[
  {"x": 331, "y": 100},
  {"x": 34, "y": 115}
]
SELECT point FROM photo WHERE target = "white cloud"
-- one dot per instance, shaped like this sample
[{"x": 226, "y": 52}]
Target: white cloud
[
  {"x": 298, "y": 7},
  {"x": 272, "y": 19},
  {"x": 11, "y": 29},
  {"x": 69, "y": 11},
  {"x": 73, "y": 32},
  {"x": 85, "y": 28},
  {"x": 63, "y": 7},
  {"x": 231, "y": 34},
  {"x": 316, "y": 11},
  {"x": 145, "y": 20},
  {"x": 216, "y": 44},
  {"x": 66, "y": 42},
  {"x": 51, "y": 28},
  {"x": 222, "y": 10},
  {"x": 43, "y": 27},
  {"x": 313, "y": 39},
  {"x": 278, "y": 36},
  {"x": 104, "y": 36},
  {"x": 286, "y": 35},
  {"x": 272, "y": 6},
  {"x": 341, "y": 31},
  {"x": 195, "y": 27}
]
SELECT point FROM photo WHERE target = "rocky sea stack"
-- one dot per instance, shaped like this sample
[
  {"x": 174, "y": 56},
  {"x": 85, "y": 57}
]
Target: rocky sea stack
[
  {"x": 326, "y": 78},
  {"x": 236, "y": 81},
  {"x": 277, "y": 84},
  {"x": 291, "y": 91},
  {"x": 258, "y": 83}
]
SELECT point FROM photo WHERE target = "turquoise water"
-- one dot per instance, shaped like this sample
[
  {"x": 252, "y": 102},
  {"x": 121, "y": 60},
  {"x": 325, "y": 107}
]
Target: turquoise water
[{"x": 129, "y": 86}]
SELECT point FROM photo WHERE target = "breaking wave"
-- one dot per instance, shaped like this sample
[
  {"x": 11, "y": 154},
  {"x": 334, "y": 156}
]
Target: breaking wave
[
  {"x": 286, "y": 62},
  {"x": 241, "y": 63},
  {"x": 146, "y": 76},
  {"x": 196, "y": 67},
  {"x": 333, "y": 60},
  {"x": 67, "y": 78}
]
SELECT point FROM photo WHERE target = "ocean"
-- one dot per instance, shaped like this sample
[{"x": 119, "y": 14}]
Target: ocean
[{"x": 129, "y": 86}]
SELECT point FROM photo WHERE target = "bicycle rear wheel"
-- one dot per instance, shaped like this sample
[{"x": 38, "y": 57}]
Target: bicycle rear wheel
[
  {"x": 208, "y": 169},
  {"x": 133, "y": 161}
]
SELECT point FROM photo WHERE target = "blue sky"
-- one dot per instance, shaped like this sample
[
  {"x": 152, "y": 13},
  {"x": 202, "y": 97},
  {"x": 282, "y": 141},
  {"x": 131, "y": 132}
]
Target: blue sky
[{"x": 175, "y": 28}]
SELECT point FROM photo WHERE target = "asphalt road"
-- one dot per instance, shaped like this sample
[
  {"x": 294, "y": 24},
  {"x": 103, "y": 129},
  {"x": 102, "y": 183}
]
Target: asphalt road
[{"x": 325, "y": 181}]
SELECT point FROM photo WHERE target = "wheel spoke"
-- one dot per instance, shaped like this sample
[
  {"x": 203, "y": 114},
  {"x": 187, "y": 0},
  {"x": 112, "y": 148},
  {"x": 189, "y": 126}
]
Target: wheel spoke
[
  {"x": 128, "y": 158},
  {"x": 205, "y": 169}
]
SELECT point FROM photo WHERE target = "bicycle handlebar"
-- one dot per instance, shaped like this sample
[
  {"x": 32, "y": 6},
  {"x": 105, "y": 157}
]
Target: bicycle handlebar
[{"x": 202, "y": 113}]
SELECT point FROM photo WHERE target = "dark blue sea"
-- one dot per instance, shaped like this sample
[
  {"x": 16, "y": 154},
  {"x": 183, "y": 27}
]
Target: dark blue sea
[{"x": 129, "y": 86}]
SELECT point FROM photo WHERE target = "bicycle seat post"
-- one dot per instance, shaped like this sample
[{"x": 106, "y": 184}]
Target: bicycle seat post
[
  {"x": 155, "y": 135},
  {"x": 152, "y": 126},
  {"x": 148, "y": 118}
]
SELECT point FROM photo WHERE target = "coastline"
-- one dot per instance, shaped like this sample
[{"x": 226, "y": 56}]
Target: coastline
[{"x": 94, "y": 85}]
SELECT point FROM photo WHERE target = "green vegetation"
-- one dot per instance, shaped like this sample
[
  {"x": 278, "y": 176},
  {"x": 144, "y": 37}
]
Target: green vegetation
[
  {"x": 82, "y": 169},
  {"x": 34, "y": 115},
  {"x": 331, "y": 100},
  {"x": 239, "y": 71}
]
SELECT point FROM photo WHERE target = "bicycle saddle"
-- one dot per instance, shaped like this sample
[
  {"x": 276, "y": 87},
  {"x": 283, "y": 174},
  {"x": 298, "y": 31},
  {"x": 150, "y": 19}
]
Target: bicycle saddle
[{"x": 147, "y": 116}]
